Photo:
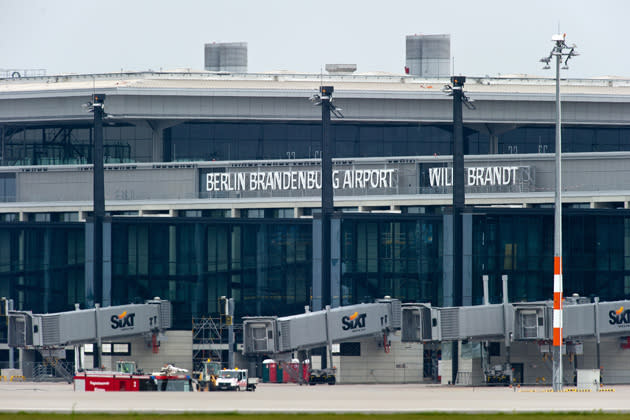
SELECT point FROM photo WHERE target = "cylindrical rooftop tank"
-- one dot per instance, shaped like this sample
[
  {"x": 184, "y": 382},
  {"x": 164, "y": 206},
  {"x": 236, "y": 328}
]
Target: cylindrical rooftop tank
[
  {"x": 428, "y": 55},
  {"x": 226, "y": 56}
]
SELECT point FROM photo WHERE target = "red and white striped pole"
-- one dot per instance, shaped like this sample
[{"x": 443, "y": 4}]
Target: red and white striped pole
[
  {"x": 557, "y": 258},
  {"x": 557, "y": 323},
  {"x": 558, "y": 52}
]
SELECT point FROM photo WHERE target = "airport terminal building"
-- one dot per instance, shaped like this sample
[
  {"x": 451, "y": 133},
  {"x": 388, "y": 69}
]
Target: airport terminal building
[{"x": 213, "y": 187}]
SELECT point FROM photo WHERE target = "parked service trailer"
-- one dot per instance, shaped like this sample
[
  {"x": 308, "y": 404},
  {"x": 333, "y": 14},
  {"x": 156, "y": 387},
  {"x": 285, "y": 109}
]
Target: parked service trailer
[{"x": 115, "y": 381}]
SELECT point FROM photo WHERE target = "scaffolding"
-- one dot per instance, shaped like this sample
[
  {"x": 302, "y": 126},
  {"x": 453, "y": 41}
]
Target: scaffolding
[
  {"x": 211, "y": 339},
  {"x": 208, "y": 341}
]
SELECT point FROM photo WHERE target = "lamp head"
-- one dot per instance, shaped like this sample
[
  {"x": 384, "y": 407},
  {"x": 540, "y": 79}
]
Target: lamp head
[
  {"x": 326, "y": 90},
  {"x": 98, "y": 98},
  {"x": 558, "y": 37},
  {"x": 458, "y": 81}
]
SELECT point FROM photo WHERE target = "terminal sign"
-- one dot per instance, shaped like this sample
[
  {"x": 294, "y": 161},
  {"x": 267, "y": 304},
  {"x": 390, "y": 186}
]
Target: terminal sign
[
  {"x": 298, "y": 180},
  {"x": 475, "y": 177}
]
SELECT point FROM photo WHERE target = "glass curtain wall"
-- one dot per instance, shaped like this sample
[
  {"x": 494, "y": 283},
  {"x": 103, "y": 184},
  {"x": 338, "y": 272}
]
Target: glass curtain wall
[
  {"x": 42, "y": 265},
  {"x": 401, "y": 258},
  {"x": 519, "y": 243},
  {"x": 265, "y": 265},
  {"x": 247, "y": 140},
  {"x": 67, "y": 145},
  {"x": 255, "y": 140}
]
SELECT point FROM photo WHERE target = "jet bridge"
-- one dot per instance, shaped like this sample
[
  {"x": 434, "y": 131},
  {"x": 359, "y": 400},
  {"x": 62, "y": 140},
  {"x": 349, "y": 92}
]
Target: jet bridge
[
  {"x": 527, "y": 321},
  {"x": 28, "y": 330},
  {"x": 273, "y": 335}
]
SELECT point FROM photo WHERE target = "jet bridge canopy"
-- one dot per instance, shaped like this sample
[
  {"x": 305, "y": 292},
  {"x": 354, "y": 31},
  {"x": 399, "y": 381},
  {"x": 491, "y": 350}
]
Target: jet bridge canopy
[
  {"x": 270, "y": 335},
  {"x": 87, "y": 325},
  {"x": 518, "y": 321}
]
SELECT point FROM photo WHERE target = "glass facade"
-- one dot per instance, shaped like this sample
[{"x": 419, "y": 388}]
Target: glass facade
[
  {"x": 42, "y": 265},
  {"x": 266, "y": 264},
  {"x": 53, "y": 145},
  {"x": 247, "y": 140},
  {"x": 255, "y": 140},
  {"x": 298, "y": 140},
  {"x": 519, "y": 243},
  {"x": 401, "y": 258}
]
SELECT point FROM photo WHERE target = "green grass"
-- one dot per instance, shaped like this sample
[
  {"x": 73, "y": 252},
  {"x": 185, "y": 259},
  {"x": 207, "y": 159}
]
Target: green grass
[{"x": 325, "y": 416}]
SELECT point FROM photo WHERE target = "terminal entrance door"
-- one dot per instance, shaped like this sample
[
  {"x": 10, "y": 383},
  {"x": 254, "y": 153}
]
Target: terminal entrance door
[
  {"x": 430, "y": 365},
  {"x": 517, "y": 373}
]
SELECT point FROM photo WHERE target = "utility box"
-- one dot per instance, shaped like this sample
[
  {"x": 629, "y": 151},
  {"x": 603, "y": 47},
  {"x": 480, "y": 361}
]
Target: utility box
[{"x": 588, "y": 379}]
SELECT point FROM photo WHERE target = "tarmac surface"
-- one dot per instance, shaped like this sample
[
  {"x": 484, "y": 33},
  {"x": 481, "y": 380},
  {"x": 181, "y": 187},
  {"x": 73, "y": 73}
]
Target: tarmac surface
[{"x": 291, "y": 398}]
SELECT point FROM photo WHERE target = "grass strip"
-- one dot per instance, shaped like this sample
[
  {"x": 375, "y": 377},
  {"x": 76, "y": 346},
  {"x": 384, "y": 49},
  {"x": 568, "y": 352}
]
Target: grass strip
[{"x": 322, "y": 416}]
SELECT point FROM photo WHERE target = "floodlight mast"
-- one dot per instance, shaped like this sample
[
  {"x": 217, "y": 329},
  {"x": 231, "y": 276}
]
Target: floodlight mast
[
  {"x": 459, "y": 201},
  {"x": 324, "y": 99},
  {"x": 559, "y": 51},
  {"x": 94, "y": 287}
]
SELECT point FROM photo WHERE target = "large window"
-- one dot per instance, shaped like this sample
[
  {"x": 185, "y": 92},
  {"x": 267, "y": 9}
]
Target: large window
[
  {"x": 42, "y": 265},
  {"x": 400, "y": 258},
  {"x": 289, "y": 140},
  {"x": 264, "y": 265},
  {"x": 255, "y": 140},
  {"x": 292, "y": 140},
  {"x": 519, "y": 243},
  {"x": 54, "y": 145}
]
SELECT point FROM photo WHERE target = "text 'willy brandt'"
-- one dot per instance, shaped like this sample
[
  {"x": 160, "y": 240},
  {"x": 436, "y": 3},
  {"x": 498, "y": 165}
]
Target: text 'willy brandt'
[
  {"x": 298, "y": 180},
  {"x": 477, "y": 177}
]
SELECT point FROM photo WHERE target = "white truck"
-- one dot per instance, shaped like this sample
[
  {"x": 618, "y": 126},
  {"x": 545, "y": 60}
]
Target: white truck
[{"x": 235, "y": 380}]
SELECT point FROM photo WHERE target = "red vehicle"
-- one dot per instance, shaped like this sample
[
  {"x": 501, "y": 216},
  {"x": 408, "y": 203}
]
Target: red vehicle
[{"x": 116, "y": 381}]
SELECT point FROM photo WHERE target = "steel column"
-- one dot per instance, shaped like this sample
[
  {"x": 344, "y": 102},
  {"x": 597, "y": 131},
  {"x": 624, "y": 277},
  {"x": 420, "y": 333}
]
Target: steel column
[{"x": 327, "y": 191}]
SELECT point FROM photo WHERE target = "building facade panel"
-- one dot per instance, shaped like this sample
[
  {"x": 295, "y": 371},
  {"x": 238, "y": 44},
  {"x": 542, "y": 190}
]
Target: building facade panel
[{"x": 587, "y": 178}]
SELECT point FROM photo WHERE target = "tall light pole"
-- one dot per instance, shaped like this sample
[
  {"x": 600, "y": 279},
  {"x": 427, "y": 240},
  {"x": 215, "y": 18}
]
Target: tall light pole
[
  {"x": 560, "y": 50},
  {"x": 327, "y": 188},
  {"x": 325, "y": 100},
  {"x": 459, "y": 199},
  {"x": 94, "y": 285}
]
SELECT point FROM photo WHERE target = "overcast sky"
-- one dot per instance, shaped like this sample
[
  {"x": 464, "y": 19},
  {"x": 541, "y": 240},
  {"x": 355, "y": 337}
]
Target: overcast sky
[{"x": 488, "y": 37}]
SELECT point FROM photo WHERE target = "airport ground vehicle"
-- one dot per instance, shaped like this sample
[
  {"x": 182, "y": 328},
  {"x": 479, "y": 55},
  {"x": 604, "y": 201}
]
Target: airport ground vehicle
[
  {"x": 235, "y": 380},
  {"x": 169, "y": 378},
  {"x": 207, "y": 378}
]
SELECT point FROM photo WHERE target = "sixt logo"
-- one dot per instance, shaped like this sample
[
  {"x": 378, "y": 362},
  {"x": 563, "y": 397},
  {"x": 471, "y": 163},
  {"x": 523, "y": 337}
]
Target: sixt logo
[
  {"x": 353, "y": 321},
  {"x": 619, "y": 317},
  {"x": 122, "y": 321}
]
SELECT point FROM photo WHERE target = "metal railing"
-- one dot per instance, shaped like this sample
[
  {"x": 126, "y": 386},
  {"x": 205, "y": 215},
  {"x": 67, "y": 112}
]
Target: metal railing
[{"x": 48, "y": 371}]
